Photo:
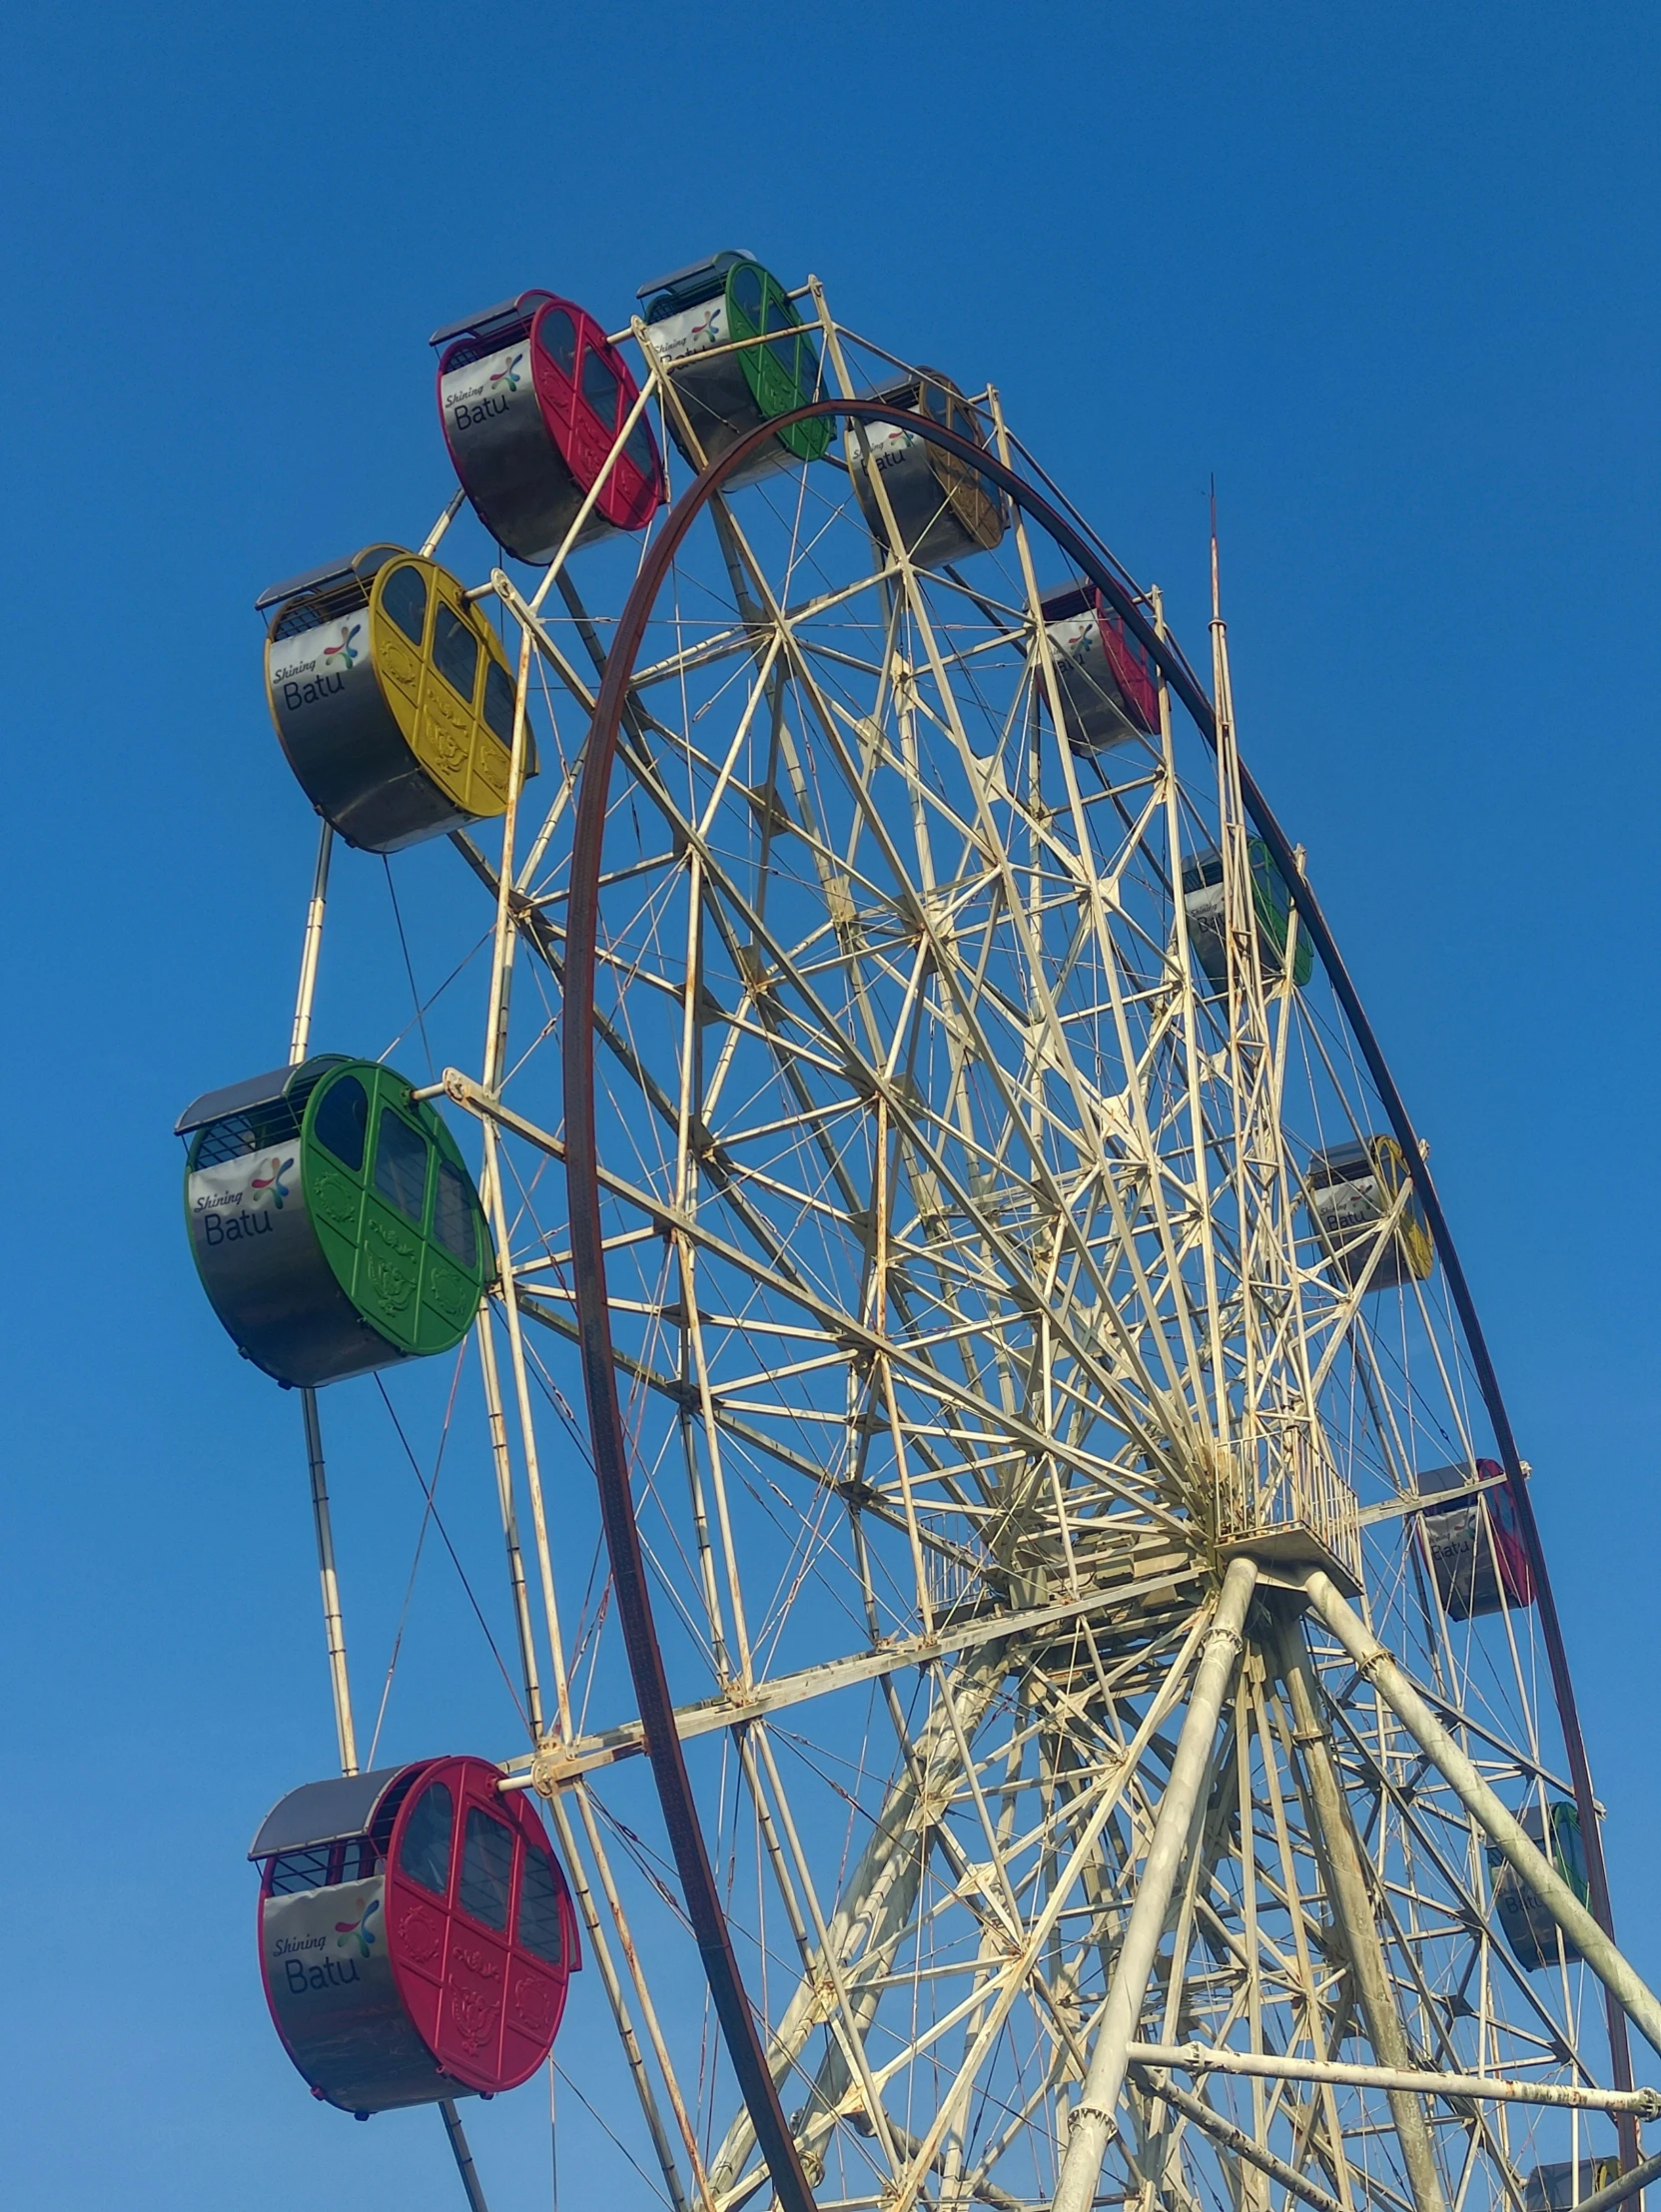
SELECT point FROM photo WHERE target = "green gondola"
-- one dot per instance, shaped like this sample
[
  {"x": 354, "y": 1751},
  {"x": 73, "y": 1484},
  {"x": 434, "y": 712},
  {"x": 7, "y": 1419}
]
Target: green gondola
[
  {"x": 1203, "y": 904},
  {"x": 333, "y": 1220},
  {"x": 728, "y": 301},
  {"x": 1529, "y": 1927}
]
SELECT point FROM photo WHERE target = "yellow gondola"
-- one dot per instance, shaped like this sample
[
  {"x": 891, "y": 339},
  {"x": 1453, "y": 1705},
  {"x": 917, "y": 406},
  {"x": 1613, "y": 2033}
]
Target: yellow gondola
[
  {"x": 392, "y": 695},
  {"x": 1350, "y": 1190}
]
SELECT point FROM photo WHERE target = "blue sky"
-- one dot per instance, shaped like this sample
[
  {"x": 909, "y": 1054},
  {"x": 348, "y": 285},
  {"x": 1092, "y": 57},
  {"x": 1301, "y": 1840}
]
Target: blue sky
[{"x": 1390, "y": 274}]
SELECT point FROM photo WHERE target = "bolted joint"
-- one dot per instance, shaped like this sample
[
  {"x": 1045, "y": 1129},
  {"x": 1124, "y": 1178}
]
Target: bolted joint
[
  {"x": 1092, "y": 2113},
  {"x": 1225, "y": 1638},
  {"x": 548, "y": 1770}
]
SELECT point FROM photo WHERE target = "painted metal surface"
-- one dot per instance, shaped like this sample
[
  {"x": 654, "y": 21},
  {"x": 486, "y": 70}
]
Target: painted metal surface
[
  {"x": 334, "y": 1225},
  {"x": 531, "y": 397},
  {"x": 335, "y": 1999},
  {"x": 391, "y": 698},
  {"x": 426, "y": 1957}
]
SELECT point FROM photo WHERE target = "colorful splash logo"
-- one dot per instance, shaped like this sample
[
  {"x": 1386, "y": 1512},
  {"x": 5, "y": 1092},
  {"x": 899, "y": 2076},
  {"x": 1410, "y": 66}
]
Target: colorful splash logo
[
  {"x": 508, "y": 376},
  {"x": 348, "y": 632},
  {"x": 345, "y": 1931},
  {"x": 270, "y": 1177}
]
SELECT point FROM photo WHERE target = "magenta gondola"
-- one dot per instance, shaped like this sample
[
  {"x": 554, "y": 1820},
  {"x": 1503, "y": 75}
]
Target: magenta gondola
[
  {"x": 1108, "y": 693},
  {"x": 417, "y": 1935},
  {"x": 532, "y": 396},
  {"x": 1474, "y": 1543}
]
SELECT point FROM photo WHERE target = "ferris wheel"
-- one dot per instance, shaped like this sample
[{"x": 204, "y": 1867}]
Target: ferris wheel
[{"x": 1033, "y": 1680}]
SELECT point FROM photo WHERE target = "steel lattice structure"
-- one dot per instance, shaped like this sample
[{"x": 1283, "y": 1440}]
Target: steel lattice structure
[{"x": 1081, "y": 1781}]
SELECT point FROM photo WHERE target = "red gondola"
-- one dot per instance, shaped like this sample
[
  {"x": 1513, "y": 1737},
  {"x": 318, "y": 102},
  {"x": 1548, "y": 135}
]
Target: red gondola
[
  {"x": 1107, "y": 685},
  {"x": 417, "y": 1936},
  {"x": 1474, "y": 1544},
  {"x": 532, "y": 394}
]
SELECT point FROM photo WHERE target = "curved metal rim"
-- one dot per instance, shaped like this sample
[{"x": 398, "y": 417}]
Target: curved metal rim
[{"x": 610, "y": 1445}]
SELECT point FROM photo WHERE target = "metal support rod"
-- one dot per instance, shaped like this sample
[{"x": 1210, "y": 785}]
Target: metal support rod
[
  {"x": 1352, "y": 1907},
  {"x": 1199, "y": 2114},
  {"x": 1204, "y": 2058},
  {"x": 498, "y": 1425},
  {"x": 463, "y": 2157},
  {"x": 1635, "y": 1997},
  {"x": 300, "y": 1035},
  {"x": 1093, "y": 2117},
  {"x": 333, "y": 1626}
]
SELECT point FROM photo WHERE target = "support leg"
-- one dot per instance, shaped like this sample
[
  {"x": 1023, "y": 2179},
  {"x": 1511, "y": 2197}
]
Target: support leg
[
  {"x": 333, "y": 1626},
  {"x": 1352, "y": 1908},
  {"x": 1636, "y": 1999},
  {"x": 1093, "y": 2117}
]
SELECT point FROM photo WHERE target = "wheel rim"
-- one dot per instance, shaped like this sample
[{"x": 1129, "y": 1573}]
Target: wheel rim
[{"x": 762, "y": 989}]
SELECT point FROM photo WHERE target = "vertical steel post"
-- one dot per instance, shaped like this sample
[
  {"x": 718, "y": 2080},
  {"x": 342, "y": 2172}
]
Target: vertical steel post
[
  {"x": 1093, "y": 2116},
  {"x": 333, "y": 1626},
  {"x": 311, "y": 947},
  {"x": 464, "y": 2156}
]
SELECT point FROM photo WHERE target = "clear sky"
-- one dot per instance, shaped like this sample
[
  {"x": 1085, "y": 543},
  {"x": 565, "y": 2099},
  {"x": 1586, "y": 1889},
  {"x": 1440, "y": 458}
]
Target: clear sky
[{"x": 1389, "y": 273}]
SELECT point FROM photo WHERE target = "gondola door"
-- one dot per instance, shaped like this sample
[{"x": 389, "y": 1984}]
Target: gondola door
[
  {"x": 595, "y": 416},
  {"x": 545, "y": 1953},
  {"x": 418, "y": 1882},
  {"x": 471, "y": 2028}
]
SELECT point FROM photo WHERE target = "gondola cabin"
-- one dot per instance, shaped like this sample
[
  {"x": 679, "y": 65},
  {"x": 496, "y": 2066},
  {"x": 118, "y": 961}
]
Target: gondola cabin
[
  {"x": 1106, "y": 684},
  {"x": 1475, "y": 1544},
  {"x": 1202, "y": 910},
  {"x": 532, "y": 396},
  {"x": 333, "y": 1220},
  {"x": 1556, "y": 2189},
  {"x": 1529, "y": 1928},
  {"x": 393, "y": 698},
  {"x": 417, "y": 1936},
  {"x": 1350, "y": 1191},
  {"x": 703, "y": 322},
  {"x": 942, "y": 508}
]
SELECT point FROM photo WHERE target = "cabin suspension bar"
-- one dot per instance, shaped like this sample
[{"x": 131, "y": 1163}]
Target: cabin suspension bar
[
  {"x": 464, "y": 2156},
  {"x": 311, "y": 947},
  {"x": 1503, "y": 1828},
  {"x": 334, "y": 1626}
]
